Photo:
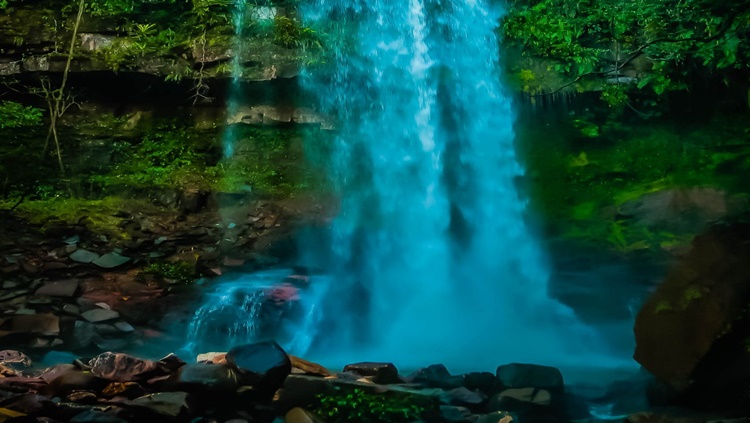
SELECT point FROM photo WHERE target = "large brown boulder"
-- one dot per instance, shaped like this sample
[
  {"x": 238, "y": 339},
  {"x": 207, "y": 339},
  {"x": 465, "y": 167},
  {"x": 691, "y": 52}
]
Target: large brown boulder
[{"x": 689, "y": 332}]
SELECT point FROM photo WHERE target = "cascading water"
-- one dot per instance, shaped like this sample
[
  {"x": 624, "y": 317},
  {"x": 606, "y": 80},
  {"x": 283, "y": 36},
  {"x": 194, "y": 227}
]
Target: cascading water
[
  {"x": 434, "y": 260},
  {"x": 238, "y": 21}
]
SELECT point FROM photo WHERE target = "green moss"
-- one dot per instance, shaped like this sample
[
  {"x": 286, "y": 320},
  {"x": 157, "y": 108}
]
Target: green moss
[
  {"x": 178, "y": 272},
  {"x": 99, "y": 216},
  {"x": 663, "y": 306},
  {"x": 690, "y": 294}
]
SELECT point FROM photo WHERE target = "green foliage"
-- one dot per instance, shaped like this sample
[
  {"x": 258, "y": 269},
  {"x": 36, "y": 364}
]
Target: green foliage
[
  {"x": 364, "y": 407},
  {"x": 3, "y": 4},
  {"x": 16, "y": 115},
  {"x": 177, "y": 272},
  {"x": 580, "y": 183},
  {"x": 290, "y": 33},
  {"x": 592, "y": 38},
  {"x": 164, "y": 158}
]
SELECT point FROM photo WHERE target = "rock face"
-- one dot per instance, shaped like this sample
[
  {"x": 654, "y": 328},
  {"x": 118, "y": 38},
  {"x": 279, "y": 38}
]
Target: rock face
[
  {"x": 681, "y": 210},
  {"x": 691, "y": 332}
]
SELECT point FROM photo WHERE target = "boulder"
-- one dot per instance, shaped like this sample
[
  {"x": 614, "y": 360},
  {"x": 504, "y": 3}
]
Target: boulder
[
  {"x": 692, "y": 330},
  {"x": 308, "y": 367},
  {"x": 263, "y": 365},
  {"x": 485, "y": 382},
  {"x": 15, "y": 359},
  {"x": 121, "y": 367},
  {"x": 203, "y": 377},
  {"x": 167, "y": 404},
  {"x": 517, "y": 375},
  {"x": 451, "y": 413},
  {"x": 436, "y": 376},
  {"x": 382, "y": 373}
]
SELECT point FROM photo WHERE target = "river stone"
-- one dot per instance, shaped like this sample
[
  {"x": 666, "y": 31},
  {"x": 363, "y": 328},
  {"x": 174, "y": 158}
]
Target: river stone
[
  {"x": 204, "y": 377},
  {"x": 451, "y": 413},
  {"x": 15, "y": 359},
  {"x": 96, "y": 416},
  {"x": 517, "y": 375},
  {"x": 111, "y": 260},
  {"x": 64, "y": 288},
  {"x": 485, "y": 382},
  {"x": 124, "y": 327},
  {"x": 692, "y": 331},
  {"x": 121, "y": 367},
  {"x": 382, "y": 373},
  {"x": 263, "y": 365},
  {"x": 83, "y": 256},
  {"x": 170, "y": 404},
  {"x": 436, "y": 376},
  {"x": 100, "y": 315}
]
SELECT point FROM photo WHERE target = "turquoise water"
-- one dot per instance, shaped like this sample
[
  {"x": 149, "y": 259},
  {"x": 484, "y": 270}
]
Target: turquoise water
[{"x": 434, "y": 260}]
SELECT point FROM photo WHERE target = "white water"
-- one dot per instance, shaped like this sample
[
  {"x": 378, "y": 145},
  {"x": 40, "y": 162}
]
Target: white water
[{"x": 433, "y": 259}]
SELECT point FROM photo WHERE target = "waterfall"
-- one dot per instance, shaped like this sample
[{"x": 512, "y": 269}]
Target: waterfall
[
  {"x": 238, "y": 22},
  {"x": 432, "y": 255}
]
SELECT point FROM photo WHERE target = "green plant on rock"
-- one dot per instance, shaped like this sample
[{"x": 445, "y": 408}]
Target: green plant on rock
[
  {"x": 664, "y": 44},
  {"x": 360, "y": 406},
  {"x": 290, "y": 33},
  {"x": 16, "y": 115},
  {"x": 177, "y": 272}
]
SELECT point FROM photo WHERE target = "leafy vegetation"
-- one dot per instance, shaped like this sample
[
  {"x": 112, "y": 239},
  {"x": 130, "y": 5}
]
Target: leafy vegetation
[
  {"x": 177, "y": 272},
  {"x": 16, "y": 115},
  {"x": 660, "y": 45},
  {"x": 360, "y": 406},
  {"x": 580, "y": 184}
]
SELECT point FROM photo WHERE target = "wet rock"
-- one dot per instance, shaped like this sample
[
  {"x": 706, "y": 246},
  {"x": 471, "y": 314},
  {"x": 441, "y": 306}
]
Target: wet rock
[
  {"x": 123, "y": 367},
  {"x": 300, "y": 415},
  {"x": 382, "y": 373},
  {"x": 436, "y": 376},
  {"x": 497, "y": 417},
  {"x": 128, "y": 389},
  {"x": 485, "y": 382},
  {"x": 83, "y": 256},
  {"x": 82, "y": 397},
  {"x": 263, "y": 365},
  {"x": 451, "y": 413},
  {"x": 308, "y": 367},
  {"x": 96, "y": 42},
  {"x": 111, "y": 260},
  {"x": 530, "y": 403},
  {"x": 15, "y": 359},
  {"x": 30, "y": 404},
  {"x": 84, "y": 334},
  {"x": 44, "y": 324},
  {"x": 517, "y": 375},
  {"x": 70, "y": 380},
  {"x": 96, "y": 416},
  {"x": 212, "y": 357},
  {"x": 64, "y": 288},
  {"x": 124, "y": 327},
  {"x": 100, "y": 315},
  {"x": 692, "y": 331},
  {"x": 72, "y": 309},
  {"x": 203, "y": 378},
  {"x": 170, "y": 404},
  {"x": 51, "y": 373},
  {"x": 462, "y": 396}
]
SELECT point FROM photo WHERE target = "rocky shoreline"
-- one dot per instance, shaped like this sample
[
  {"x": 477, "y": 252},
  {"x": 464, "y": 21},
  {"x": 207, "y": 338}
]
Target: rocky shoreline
[{"x": 260, "y": 383}]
